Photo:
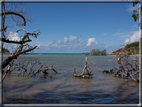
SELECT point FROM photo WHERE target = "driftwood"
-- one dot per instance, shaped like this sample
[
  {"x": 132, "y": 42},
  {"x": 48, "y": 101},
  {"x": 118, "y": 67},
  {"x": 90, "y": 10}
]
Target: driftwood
[
  {"x": 44, "y": 71},
  {"x": 88, "y": 74},
  {"x": 126, "y": 69},
  {"x": 51, "y": 68},
  {"x": 27, "y": 66}
]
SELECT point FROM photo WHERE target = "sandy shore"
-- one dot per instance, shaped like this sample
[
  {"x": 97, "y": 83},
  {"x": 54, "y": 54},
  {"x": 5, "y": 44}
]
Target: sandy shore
[{"x": 135, "y": 55}]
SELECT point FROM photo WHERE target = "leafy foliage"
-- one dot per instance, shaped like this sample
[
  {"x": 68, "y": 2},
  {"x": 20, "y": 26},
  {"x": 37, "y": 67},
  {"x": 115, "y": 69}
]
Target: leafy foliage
[
  {"x": 134, "y": 44},
  {"x": 119, "y": 50},
  {"x": 137, "y": 13},
  {"x": 98, "y": 52},
  {"x": 134, "y": 47},
  {"x": 5, "y": 50}
]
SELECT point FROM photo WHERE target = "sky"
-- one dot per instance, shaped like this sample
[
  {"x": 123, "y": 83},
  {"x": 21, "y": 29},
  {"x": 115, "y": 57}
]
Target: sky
[{"x": 79, "y": 27}]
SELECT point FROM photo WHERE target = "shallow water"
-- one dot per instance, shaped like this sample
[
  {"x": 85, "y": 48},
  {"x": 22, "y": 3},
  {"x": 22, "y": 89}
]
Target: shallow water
[{"x": 63, "y": 88}]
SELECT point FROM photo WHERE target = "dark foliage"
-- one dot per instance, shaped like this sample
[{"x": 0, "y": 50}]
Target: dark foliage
[
  {"x": 132, "y": 48},
  {"x": 5, "y": 50},
  {"x": 134, "y": 44}
]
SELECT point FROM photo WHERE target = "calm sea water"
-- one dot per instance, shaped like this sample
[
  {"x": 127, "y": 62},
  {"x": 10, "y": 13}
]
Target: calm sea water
[{"x": 63, "y": 88}]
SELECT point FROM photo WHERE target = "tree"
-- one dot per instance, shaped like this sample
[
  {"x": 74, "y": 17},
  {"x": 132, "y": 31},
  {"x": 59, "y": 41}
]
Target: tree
[
  {"x": 137, "y": 13},
  {"x": 98, "y": 52},
  {"x": 93, "y": 52},
  {"x": 28, "y": 66},
  {"x": 23, "y": 46},
  {"x": 132, "y": 48},
  {"x": 104, "y": 52},
  {"x": 5, "y": 50},
  {"x": 128, "y": 66}
]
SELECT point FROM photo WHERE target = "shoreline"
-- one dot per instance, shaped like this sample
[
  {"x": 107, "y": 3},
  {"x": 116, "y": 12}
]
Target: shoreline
[
  {"x": 135, "y": 55},
  {"x": 84, "y": 54},
  {"x": 6, "y": 53}
]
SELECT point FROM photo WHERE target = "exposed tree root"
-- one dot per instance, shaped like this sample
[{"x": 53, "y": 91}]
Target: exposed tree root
[{"x": 88, "y": 74}]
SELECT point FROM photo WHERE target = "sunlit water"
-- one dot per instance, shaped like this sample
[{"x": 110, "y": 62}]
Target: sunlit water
[{"x": 63, "y": 88}]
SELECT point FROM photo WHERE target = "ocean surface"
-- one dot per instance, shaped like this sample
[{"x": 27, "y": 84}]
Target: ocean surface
[{"x": 63, "y": 88}]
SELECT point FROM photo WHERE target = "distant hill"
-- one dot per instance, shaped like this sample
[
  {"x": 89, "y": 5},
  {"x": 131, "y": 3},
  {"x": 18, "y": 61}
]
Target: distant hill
[
  {"x": 131, "y": 49},
  {"x": 5, "y": 51}
]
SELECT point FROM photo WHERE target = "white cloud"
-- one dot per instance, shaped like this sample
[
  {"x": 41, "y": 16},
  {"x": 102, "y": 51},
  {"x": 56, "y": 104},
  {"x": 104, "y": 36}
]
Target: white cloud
[
  {"x": 57, "y": 42},
  {"x": 71, "y": 39},
  {"x": 92, "y": 41},
  {"x": 65, "y": 39},
  {"x": 70, "y": 44},
  {"x": 13, "y": 36},
  {"x": 123, "y": 35},
  {"x": 135, "y": 37}
]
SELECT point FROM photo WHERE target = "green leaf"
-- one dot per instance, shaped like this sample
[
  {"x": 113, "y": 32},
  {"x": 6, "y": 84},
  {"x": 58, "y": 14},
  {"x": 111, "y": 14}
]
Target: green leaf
[
  {"x": 134, "y": 17},
  {"x": 135, "y": 11}
]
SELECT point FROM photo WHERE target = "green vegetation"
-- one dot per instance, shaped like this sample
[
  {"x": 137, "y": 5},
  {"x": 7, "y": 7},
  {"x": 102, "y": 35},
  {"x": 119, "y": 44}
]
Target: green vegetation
[
  {"x": 117, "y": 50},
  {"x": 98, "y": 52},
  {"x": 132, "y": 48},
  {"x": 134, "y": 44},
  {"x": 5, "y": 50},
  {"x": 136, "y": 13}
]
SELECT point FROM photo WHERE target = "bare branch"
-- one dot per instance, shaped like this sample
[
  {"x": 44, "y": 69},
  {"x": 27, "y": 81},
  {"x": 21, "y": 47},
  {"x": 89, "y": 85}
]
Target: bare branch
[
  {"x": 26, "y": 36},
  {"x": 4, "y": 29},
  {"x": 10, "y": 58},
  {"x": 23, "y": 30},
  {"x": 16, "y": 42},
  {"x": 14, "y": 13}
]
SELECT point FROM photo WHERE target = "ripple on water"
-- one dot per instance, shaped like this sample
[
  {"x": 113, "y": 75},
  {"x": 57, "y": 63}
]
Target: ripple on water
[{"x": 65, "y": 89}]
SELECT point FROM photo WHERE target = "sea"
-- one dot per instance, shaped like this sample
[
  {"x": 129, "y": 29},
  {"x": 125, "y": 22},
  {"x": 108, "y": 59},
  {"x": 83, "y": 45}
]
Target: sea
[{"x": 63, "y": 87}]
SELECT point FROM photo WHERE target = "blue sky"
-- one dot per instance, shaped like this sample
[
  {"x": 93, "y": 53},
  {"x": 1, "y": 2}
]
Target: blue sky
[{"x": 80, "y": 27}]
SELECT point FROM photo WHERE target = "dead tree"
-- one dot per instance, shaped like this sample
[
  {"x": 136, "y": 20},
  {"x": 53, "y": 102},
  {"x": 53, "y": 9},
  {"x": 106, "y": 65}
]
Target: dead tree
[
  {"x": 26, "y": 66},
  {"x": 88, "y": 74},
  {"x": 23, "y": 47},
  {"x": 33, "y": 66},
  {"x": 128, "y": 66}
]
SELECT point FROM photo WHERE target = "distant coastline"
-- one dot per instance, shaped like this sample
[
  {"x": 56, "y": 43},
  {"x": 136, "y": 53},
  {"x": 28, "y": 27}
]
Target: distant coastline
[
  {"x": 6, "y": 53},
  {"x": 66, "y": 54},
  {"x": 55, "y": 54}
]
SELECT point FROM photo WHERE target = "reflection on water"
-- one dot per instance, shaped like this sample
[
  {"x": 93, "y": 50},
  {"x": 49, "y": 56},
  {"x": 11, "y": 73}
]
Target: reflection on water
[{"x": 65, "y": 89}]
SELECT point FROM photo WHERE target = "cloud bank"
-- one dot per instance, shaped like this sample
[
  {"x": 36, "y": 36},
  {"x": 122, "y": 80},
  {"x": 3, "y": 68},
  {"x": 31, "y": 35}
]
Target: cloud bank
[
  {"x": 135, "y": 37},
  {"x": 13, "y": 36},
  {"x": 68, "y": 44},
  {"x": 71, "y": 44},
  {"x": 92, "y": 41}
]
